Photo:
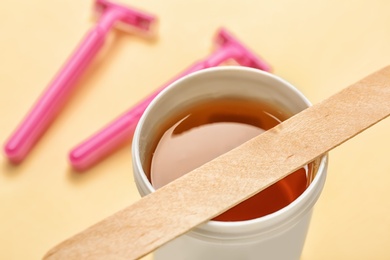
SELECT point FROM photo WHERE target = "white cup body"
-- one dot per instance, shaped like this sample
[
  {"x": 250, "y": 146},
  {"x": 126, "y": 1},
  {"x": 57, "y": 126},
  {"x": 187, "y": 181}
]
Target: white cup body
[{"x": 279, "y": 235}]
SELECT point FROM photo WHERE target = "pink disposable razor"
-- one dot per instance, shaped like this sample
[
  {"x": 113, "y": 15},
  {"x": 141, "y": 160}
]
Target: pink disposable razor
[
  {"x": 51, "y": 101},
  {"x": 102, "y": 143}
]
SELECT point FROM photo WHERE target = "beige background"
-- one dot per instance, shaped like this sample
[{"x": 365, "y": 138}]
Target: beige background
[{"x": 320, "y": 46}]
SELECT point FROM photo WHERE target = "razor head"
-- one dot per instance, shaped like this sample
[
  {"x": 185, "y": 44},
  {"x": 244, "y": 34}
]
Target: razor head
[
  {"x": 244, "y": 56},
  {"x": 141, "y": 21}
]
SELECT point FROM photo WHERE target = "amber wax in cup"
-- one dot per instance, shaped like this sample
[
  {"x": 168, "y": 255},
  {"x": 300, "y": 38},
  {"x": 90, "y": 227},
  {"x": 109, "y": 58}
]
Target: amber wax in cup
[{"x": 204, "y": 115}]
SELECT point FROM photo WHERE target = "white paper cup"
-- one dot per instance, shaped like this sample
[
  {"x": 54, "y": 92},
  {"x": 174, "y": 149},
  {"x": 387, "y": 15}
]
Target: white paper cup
[{"x": 279, "y": 235}]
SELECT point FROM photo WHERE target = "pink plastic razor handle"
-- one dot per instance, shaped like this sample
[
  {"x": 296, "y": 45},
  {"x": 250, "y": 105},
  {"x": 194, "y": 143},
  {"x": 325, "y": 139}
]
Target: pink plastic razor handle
[
  {"x": 120, "y": 130},
  {"x": 51, "y": 101}
]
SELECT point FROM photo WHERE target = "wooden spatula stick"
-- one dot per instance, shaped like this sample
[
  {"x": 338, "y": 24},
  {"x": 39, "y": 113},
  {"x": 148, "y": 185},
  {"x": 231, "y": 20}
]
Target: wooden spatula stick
[{"x": 233, "y": 177}]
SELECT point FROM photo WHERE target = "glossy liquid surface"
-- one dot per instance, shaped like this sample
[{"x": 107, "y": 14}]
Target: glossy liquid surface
[{"x": 205, "y": 131}]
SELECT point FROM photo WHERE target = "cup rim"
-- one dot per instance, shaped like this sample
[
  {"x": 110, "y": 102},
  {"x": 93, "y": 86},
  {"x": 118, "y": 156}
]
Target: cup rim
[{"x": 220, "y": 225}]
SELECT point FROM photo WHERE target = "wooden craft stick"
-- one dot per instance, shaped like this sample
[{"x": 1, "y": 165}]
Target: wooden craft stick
[{"x": 233, "y": 177}]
